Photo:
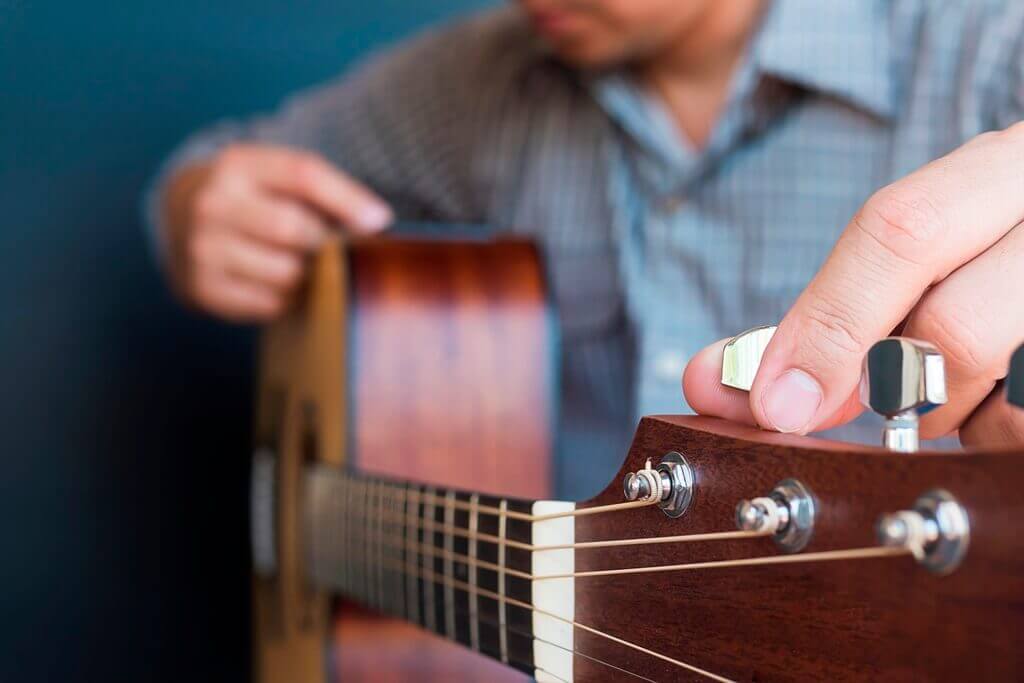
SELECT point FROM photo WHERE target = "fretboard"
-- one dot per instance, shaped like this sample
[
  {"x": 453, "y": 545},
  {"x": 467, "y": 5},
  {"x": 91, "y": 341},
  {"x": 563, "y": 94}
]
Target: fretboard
[{"x": 459, "y": 564}]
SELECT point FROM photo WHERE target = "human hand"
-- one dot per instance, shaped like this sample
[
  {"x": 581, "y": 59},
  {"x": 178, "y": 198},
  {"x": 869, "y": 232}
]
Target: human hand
[
  {"x": 239, "y": 226},
  {"x": 937, "y": 255}
]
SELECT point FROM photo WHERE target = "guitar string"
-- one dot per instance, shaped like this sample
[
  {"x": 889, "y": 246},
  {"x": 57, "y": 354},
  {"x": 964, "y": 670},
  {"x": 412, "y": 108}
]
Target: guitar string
[
  {"x": 524, "y": 516},
  {"x": 587, "y": 545},
  {"x": 458, "y": 531},
  {"x": 870, "y": 552},
  {"x": 855, "y": 553},
  {"x": 434, "y": 577}
]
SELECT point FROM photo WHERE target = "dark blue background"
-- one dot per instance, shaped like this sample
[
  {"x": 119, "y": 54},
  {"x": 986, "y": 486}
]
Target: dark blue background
[{"x": 126, "y": 420}]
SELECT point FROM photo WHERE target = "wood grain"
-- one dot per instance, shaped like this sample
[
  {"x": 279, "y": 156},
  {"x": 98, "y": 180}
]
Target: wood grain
[
  {"x": 878, "y": 619},
  {"x": 452, "y": 361}
]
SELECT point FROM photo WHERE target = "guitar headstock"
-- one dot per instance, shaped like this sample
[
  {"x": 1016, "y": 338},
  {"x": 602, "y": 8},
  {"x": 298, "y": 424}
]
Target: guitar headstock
[
  {"x": 870, "y": 614},
  {"x": 798, "y": 558}
]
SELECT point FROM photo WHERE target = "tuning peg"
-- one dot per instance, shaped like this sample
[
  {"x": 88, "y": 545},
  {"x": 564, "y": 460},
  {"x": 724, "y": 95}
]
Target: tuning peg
[
  {"x": 1015, "y": 379},
  {"x": 902, "y": 379},
  {"x": 742, "y": 356}
]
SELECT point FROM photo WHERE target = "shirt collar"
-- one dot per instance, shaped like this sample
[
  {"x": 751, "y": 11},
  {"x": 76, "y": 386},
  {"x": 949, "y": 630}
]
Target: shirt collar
[{"x": 840, "y": 47}]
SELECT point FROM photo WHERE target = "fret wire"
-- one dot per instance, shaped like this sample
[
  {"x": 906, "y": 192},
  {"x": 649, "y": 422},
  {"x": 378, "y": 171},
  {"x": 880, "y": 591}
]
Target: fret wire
[
  {"x": 398, "y": 553},
  {"x": 341, "y": 501},
  {"x": 350, "y": 532},
  {"x": 411, "y": 558},
  {"x": 503, "y": 621},
  {"x": 429, "y": 609},
  {"x": 384, "y": 527},
  {"x": 474, "y": 606},
  {"x": 376, "y": 546},
  {"x": 365, "y": 568},
  {"x": 400, "y": 582},
  {"x": 385, "y": 532},
  {"x": 449, "y": 595},
  {"x": 379, "y": 540},
  {"x": 367, "y": 543},
  {"x": 396, "y": 586}
]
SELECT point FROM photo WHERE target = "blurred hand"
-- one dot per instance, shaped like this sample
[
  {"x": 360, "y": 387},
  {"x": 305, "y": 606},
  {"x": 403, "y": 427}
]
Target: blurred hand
[
  {"x": 240, "y": 226},
  {"x": 940, "y": 252}
]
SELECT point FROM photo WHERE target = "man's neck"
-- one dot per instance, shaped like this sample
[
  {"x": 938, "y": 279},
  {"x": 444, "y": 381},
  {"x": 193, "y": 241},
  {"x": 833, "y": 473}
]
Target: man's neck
[{"x": 692, "y": 76}]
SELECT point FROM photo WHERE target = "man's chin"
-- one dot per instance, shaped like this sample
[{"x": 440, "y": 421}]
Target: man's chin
[{"x": 582, "y": 55}]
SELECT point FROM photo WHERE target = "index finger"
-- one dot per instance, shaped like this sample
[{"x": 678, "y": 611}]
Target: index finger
[
  {"x": 309, "y": 178},
  {"x": 908, "y": 236}
]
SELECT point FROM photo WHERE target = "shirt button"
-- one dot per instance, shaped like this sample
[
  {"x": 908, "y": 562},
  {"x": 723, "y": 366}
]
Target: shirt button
[{"x": 669, "y": 366}]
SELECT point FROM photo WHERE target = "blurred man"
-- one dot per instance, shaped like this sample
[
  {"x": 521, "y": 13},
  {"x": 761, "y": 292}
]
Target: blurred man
[{"x": 692, "y": 169}]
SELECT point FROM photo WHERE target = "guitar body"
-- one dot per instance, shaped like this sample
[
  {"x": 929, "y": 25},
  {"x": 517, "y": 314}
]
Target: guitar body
[{"x": 413, "y": 359}]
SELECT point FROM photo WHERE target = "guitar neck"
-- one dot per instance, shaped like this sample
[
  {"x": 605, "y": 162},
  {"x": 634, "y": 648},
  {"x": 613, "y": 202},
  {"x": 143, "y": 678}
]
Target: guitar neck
[{"x": 458, "y": 564}]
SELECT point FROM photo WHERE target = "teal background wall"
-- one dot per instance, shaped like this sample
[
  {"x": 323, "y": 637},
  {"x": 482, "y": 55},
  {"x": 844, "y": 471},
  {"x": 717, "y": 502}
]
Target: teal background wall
[{"x": 125, "y": 420}]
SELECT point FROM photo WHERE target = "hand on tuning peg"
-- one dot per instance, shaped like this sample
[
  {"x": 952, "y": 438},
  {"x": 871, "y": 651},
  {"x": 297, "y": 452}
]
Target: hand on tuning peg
[{"x": 901, "y": 380}]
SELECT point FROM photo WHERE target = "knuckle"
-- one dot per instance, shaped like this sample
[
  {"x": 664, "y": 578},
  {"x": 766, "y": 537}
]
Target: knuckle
[
  {"x": 307, "y": 169},
  {"x": 207, "y": 205},
  {"x": 903, "y": 221},
  {"x": 832, "y": 332},
  {"x": 286, "y": 226},
  {"x": 289, "y": 271},
  {"x": 951, "y": 330},
  {"x": 273, "y": 305},
  {"x": 204, "y": 292},
  {"x": 232, "y": 157},
  {"x": 1014, "y": 131},
  {"x": 201, "y": 250}
]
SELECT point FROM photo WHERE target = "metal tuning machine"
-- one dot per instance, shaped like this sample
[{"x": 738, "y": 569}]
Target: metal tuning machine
[
  {"x": 936, "y": 531},
  {"x": 1015, "y": 379},
  {"x": 742, "y": 356},
  {"x": 787, "y": 513},
  {"x": 902, "y": 379},
  {"x": 670, "y": 484}
]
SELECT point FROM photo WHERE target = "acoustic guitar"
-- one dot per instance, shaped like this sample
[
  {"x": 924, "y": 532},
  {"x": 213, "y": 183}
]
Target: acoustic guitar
[{"x": 405, "y": 431}]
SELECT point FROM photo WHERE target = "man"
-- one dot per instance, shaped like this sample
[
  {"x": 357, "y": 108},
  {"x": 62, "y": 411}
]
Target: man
[{"x": 692, "y": 169}]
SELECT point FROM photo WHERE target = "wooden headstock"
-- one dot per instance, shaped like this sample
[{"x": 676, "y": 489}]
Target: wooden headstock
[{"x": 885, "y": 618}]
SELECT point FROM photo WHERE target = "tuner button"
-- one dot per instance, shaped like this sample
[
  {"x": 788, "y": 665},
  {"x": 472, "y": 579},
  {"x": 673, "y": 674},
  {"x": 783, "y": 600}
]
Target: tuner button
[
  {"x": 670, "y": 484},
  {"x": 635, "y": 487},
  {"x": 749, "y": 517},
  {"x": 742, "y": 356},
  {"x": 1015, "y": 379},
  {"x": 936, "y": 531},
  {"x": 902, "y": 379}
]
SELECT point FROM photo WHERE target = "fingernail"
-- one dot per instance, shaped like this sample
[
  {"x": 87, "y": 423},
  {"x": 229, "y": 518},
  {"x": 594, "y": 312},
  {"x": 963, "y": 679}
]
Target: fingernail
[
  {"x": 791, "y": 401},
  {"x": 375, "y": 217}
]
